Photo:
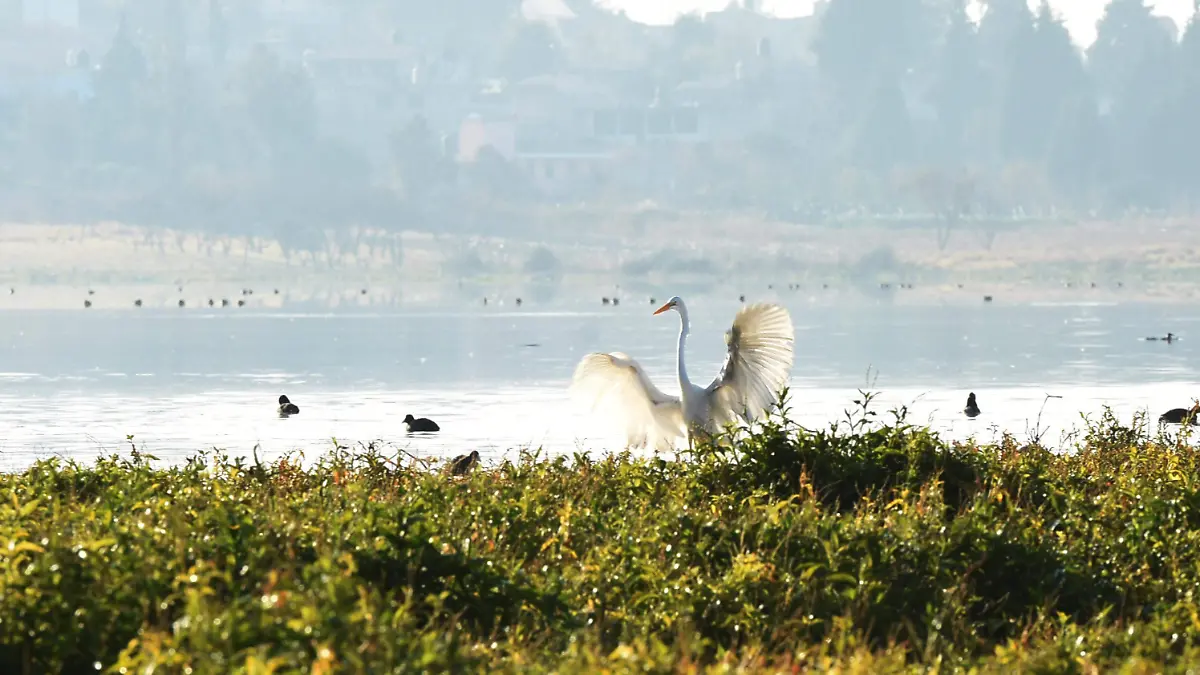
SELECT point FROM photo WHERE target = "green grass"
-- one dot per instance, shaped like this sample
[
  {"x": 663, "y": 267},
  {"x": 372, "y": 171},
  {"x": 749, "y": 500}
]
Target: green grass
[{"x": 872, "y": 548}]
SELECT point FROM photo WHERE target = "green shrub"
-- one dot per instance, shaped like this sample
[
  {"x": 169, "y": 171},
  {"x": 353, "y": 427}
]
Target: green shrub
[{"x": 873, "y": 548}]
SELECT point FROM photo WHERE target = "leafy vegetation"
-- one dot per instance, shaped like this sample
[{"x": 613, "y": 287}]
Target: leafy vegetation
[{"x": 877, "y": 547}]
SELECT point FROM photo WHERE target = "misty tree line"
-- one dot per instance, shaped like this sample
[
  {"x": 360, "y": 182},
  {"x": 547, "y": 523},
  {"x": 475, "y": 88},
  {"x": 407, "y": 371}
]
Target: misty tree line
[
  {"x": 1022, "y": 117},
  {"x": 921, "y": 110},
  {"x": 236, "y": 155},
  {"x": 916, "y": 109}
]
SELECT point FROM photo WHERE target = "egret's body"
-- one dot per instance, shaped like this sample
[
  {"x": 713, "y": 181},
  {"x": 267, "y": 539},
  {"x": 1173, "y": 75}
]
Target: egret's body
[{"x": 758, "y": 364}]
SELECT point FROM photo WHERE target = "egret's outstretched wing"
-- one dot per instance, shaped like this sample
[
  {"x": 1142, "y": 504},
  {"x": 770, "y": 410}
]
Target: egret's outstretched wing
[
  {"x": 757, "y": 366},
  {"x": 615, "y": 385}
]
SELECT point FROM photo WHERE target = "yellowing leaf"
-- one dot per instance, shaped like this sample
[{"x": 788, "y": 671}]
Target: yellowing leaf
[
  {"x": 20, "y": 547},
  {"x": 29, "y": 507}
]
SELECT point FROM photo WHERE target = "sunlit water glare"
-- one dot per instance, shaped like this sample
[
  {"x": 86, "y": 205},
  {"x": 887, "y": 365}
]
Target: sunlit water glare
[{"x": 76, "y": 384}]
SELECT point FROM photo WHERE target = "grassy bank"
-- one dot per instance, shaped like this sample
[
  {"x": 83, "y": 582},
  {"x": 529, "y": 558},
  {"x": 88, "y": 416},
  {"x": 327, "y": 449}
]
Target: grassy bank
[
  {"x": 879, "y": 548},
  {"x": 587, "y": 252}
]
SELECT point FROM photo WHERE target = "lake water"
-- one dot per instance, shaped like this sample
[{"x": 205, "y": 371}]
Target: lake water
[{"x": 76, "y": 383}]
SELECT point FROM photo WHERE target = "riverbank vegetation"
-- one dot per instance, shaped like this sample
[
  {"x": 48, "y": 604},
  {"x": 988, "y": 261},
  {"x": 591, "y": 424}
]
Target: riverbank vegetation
[{"x": 875, "y": 547}]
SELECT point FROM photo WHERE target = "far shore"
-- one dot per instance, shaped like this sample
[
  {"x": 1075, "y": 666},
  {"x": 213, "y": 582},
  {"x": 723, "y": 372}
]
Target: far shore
[{"x": 55, "y": 266}]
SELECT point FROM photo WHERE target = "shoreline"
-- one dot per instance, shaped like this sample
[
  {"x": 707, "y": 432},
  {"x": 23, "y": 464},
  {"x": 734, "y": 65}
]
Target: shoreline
[{"x": 51, "y": 266}]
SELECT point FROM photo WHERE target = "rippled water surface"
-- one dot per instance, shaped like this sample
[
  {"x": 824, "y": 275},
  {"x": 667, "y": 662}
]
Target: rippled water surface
[{"x": 77, "y": 383}]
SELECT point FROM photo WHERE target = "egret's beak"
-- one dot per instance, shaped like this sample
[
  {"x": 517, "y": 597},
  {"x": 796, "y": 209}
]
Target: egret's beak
[{"x": 662, "y": 309}]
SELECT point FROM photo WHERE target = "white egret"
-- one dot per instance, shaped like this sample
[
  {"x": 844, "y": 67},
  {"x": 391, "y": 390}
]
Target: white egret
[{"x": 758, "y": 364}]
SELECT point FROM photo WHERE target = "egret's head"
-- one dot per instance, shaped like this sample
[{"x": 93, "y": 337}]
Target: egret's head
[{"x": 674, "y": 303}]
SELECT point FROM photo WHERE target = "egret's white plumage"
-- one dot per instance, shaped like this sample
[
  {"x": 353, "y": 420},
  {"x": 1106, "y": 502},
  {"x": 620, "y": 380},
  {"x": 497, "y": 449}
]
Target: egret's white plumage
[
  {"x": 615, "y": 386},
  {"x": 758, "y": 363}
]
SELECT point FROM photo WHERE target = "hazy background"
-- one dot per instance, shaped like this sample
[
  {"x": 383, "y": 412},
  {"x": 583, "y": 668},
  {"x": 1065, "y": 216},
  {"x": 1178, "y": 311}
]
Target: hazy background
[{"x": 152, "y": 142}]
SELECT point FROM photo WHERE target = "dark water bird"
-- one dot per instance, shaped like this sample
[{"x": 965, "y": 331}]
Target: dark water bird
[
  {"x": 1120, "y": 285},
  {"x": 87, "y": 303},
  {"x": 987, "y": 298},
  {"x": 210, "y": 302},
  {"x": 241, "y": 303},
  {"x": 741, "y": 298},
  {"x": 485, "y": 302},
  {"x": 286, "y": 407},
  {"x": 182, "y": 303},
  {"x": 605, "y": 300},
  {"x": 616, "y": 301},
  {"x": 420, "y": 424},
  {"x": 1171, "y": 337},
  {"x": 137, "y": 303},
  {"x": 364, "y": 291},
  {"x": 1180, "y": 415},
  {"x": 224, "y": 302},
  {"x": 652, "y": 300},
  {"x": 519, "y": 302},
  {"x": 770, "y": 287},
  {"x": 276, "y": 291},
  {"x": 459, "y": 466},
  {"x": 824, "y": 287},
  {"x": 972, "y": 409},
  {"x": 1093, "y": 284},
  {"x": 91, "y": 292},
  {"x": 884, "y": 287}
]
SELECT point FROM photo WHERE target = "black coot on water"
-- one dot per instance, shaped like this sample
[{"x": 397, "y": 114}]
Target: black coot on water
[
  {"x": 972, "y": 409},
  {"x": 420, "y": 424},
  {"x": 286, "y": 407},
  {"x": 1180, "y": 415}
]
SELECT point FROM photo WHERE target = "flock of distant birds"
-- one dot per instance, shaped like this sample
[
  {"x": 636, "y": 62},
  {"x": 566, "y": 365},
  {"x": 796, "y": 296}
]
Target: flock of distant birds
[
  {"x": 212, "y": 302},
  {"x": 605, "y": 300}
]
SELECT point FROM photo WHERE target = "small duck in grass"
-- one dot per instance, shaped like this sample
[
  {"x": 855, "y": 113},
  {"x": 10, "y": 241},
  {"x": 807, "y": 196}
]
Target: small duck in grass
[
  {"x": 420, "y": 424},
  {"x": 287, "y": 408},
  {"x": 1181, "y": 415},
  {"x": 972, "y": 409},
  {"x": 461, "y": 465}
]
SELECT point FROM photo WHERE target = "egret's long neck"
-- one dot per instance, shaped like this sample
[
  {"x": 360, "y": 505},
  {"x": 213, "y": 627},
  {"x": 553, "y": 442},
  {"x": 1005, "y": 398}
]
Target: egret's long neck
[{"x": 684, "y": 327}]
